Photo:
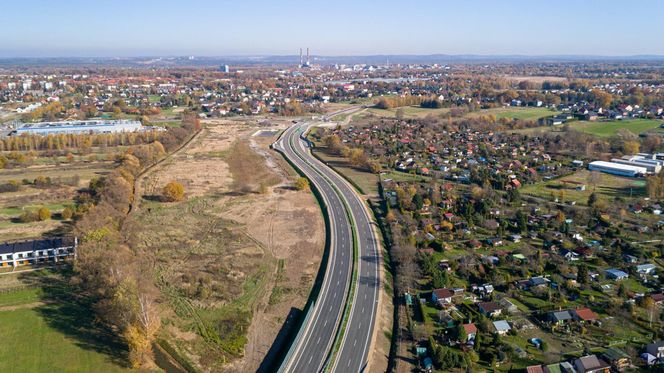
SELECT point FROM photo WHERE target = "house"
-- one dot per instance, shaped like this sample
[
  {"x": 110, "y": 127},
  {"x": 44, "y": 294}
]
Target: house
[
  {"x": 534, "y": 369},
  {"x": 508, "y": 306},
  {"x": 658, "y": 298},
  {"x": 560, "y": 317},
  {"x": 591, "y": 364},
  {"x": 566, "y": 367},
  {"x": 441, "y": 296},
  {"x": 616, "y": 274},
  {"x": 645, "y": 269},
  {"x": 471, "y": 331},
  {"x": 485, "y": 289},
  {"x": 502, "y": 327},
  {"x": 538, "y": 281},
  {"x": 656, "y": 349},
  {"x": 489, "y": 309},
  {"x": 630, "y": 259},
  {"x": 37, "y": 251},
  {"x": 569, "y": 255},
  {"x": 618, "y": 359},
  {"x": 584, "y": 314},
  {"x": 495, "y": 241}
]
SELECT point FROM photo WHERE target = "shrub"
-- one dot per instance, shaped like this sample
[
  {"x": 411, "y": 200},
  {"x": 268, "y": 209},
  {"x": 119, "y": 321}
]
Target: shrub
[
  {"x": 67, "y": 213},
  {"x": 302, "y": 183},
  {"x": 43, "y": 214},
  {"x": 11, "y": 186},
  {"x": 28, "y": 217},
  {"x": 173, "y": 192}
]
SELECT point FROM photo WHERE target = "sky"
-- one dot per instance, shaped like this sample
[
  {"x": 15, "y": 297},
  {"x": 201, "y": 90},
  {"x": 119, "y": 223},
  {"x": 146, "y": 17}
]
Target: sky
[{"x": 123, "y": 28}]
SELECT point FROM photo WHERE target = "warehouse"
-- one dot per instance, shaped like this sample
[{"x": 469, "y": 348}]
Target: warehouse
[
  {"x": 651, "y": 167},
  {"x": 617, "y": 168},
  {"x": 79, "y": 126}
]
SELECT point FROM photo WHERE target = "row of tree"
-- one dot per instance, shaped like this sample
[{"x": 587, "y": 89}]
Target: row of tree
[{"x": 114, "y": 275}]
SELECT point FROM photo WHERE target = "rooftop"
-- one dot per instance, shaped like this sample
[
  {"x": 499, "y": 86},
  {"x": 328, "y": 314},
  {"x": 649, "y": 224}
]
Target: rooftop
[{"x": 45, "y": 244}]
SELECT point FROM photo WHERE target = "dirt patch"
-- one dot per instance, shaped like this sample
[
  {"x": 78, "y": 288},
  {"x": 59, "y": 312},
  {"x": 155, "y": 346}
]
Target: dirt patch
[{"x": 22, "y": 306}]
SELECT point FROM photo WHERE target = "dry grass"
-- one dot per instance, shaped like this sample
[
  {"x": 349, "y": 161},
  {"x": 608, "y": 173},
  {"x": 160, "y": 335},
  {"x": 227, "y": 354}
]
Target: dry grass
[
  {"x": 248, "y": 169},
  {"x": 217, "y": 255}
]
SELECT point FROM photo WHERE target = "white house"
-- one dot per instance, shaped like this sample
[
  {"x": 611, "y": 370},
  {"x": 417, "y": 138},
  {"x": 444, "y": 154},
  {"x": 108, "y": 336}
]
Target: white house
[{"x": 645, "y": 269}]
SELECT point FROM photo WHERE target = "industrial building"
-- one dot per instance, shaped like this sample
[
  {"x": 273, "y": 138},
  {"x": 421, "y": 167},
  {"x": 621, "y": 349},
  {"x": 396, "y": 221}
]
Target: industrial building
[
  {"x": 651, "y": 162},
  {"x": 617, "y": 168},
  {"x": 82, "y": 126}
]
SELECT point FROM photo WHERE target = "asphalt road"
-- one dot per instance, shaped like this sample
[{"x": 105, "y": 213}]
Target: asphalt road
[
  {"x": 314, "y": 341},
  {"x": 356, "y": 342}
]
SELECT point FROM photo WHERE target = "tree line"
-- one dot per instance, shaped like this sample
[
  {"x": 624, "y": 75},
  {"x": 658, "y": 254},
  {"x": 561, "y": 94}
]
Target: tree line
[{"x": 114, "y": 275}]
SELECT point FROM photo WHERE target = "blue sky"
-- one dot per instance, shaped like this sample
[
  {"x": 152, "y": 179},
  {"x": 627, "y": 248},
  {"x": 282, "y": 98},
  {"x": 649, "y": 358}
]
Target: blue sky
[{"x": 57, "y": 28}]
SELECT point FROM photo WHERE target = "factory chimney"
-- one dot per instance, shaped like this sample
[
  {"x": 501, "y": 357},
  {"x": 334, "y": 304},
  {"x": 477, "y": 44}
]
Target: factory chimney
[
  {"x": 308, "y": 60},
  {"x": 301, "y": 62}
]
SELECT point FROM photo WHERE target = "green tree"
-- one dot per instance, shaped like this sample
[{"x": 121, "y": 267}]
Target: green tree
[
  {"x": 461, "y": 333},
  {"x": 439, "y": 279},
  {"x": 582, "y": 274}
]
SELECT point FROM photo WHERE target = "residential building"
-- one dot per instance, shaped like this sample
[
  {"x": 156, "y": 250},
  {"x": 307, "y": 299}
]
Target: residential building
[
  {"x": 442, "y": 296},
  {"x": 656, "y": 349},
  {"x": 489, "y": 309},
  {"x": 14, "y": 254},
  {"x": 560, "y": 317},
  {"x": 616, "y": 274},
  {"x": 591, "y": 364},
  {"x": 501, "y": 327},
  {"x": 584, "y": 315}
]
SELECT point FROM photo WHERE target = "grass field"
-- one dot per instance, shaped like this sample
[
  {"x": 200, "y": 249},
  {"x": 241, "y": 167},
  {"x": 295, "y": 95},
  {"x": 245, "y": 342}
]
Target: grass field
[
  {"x": 84, "y": 171},
  {"x": 606, "y": 129},
  {"x": 409, "y": 112},
  {"x": 608, "y": 187},
  {"x": 58, "y": 336},
  {"x": 399, "y": 176},
  {"x": 521, "y": 113}
]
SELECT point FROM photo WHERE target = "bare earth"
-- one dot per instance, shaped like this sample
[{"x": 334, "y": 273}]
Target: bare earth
[{"x": 281, "y": 231}]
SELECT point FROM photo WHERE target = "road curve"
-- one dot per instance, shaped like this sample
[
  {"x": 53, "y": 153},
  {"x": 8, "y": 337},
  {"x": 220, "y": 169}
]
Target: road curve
[
  {"x": 359, "y": 330},
  {"x": 313, "y": 343}
]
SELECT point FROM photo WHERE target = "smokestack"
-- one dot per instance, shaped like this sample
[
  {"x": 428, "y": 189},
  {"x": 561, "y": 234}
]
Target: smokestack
[
  {"x": 300, "y": 56},
  {"x": 308, "y": 60}
]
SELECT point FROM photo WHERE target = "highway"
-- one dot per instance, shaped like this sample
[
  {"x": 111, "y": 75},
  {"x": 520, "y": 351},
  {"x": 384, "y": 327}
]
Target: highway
[
  {"x": 357, "y": 337},
  {"x": 314, "y": 341}
]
